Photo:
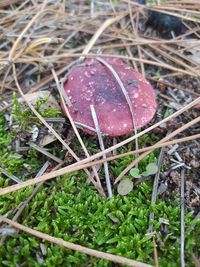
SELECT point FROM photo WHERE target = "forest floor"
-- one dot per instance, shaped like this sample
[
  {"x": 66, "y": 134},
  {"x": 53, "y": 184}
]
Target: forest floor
[{"x": 46, "y": 183}]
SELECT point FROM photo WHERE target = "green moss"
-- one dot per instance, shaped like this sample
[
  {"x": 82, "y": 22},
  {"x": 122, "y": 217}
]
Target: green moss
[
  {"x": 72, "y": 210},
  {"x": 69, "y": 208},
  {"x": 143, "y": 141},
  {"x": 25, "y": 117},
  {"x": 24, "y": 164}
]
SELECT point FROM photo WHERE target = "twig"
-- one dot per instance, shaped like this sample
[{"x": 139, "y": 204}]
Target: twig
[
  {"x": 155, "y": 252},
  {"x": 69, "y": 245},
  {"x": 92, "y": 14},
  {"x": 96, "y": 123},
  {"x": 103, "y": 26},
  {"x": 182, "y": 202},
  {"x": 155, "y": 190},
  {"x": 97, "y": 183},
  {"x": 126, "y": 95},
  {"x": 10, "y": 176},
  {"x": 55, "y": 120},
  {"x": 21, "y": 208},
  {"x": 74, "y": 167},
  {"x": 43, "y": 120},
  {"x": 82, "y": 126},
  {"x": 92, "y": 55},
  {"x": 45, "y": 152}
]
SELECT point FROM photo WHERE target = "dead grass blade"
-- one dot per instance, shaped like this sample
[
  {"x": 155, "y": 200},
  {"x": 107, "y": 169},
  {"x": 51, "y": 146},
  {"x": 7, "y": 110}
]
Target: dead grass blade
[
  {"x": 126, "y": 95},
  {"x": 155, "y": 189},
  {"x": 101, "y": 143},
  {"x": 45, "y": 152},
  {"x": 5, "y": 3},
  {"x": 60, "y": 57},
  {"x": 85, "y": 250},
  {"x": 105, "y": 25},
  {"x": 96, "y": 183},
  {"x": 44, "y": 121},
  {"x": 73, "y": 168},
  {"x": 36, "y": 189}
]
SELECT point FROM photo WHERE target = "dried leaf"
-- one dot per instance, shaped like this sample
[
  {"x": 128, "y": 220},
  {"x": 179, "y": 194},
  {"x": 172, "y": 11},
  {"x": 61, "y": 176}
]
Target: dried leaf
[{"x": 34, "y": 97}]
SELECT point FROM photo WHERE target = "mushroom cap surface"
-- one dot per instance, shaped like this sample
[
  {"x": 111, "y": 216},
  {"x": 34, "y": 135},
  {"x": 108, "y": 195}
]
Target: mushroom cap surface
[{"x": 94, "y": 84}]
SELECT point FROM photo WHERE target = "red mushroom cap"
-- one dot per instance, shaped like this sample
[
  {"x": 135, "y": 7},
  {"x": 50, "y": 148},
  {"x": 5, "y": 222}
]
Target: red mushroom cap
[{"x": 94, "y": 84}]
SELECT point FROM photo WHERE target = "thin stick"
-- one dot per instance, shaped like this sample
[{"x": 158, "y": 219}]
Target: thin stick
[
  {"x": 72, "y": 168},
  {"x": 82, "y": 126},
  {"x": 54, "y": 58},
  {"x": 155, "y": 190},
  {"x": 96, "y": 123},
  {"x": 45, "y": 152},
  {"x": 155, "y": 252},
  {"x": 72, "y": 246},
  {"x": 126, "y": 95},
  {"x": 36, "y": 189},
  {"x": 12, "y": 51},
  {"x": 10, "y": 176},
  {"x": 43, "y": 120},
  {"x": 182, "y": 200},
  {"x": 24, "y": 203},
  {"x": 46, "y": 80},
  {"x": 105, "y": 25},
  {"x": 136, "y": 36},
  {"x": 98, "y": 183}
]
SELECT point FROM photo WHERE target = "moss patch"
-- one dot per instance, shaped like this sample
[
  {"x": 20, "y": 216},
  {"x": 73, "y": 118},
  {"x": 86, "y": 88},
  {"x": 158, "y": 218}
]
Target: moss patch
[
  {"x": 68, "y": 208},
  {"x": 72, "y": 210}
]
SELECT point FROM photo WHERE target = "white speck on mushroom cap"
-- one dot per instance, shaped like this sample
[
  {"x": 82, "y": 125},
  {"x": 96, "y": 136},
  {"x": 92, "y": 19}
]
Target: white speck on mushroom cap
[
  {"x": 136, "y": 95},
  {"x": 87, "y": 74},
  {"x": 144, "y": 105},
  {"x": 96, "y": 85},
  {"x": 93, "y": 71}
]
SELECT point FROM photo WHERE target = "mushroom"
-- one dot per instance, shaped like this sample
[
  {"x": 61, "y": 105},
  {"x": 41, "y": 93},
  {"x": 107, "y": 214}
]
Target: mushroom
[{"x": 92, "y": 83}]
